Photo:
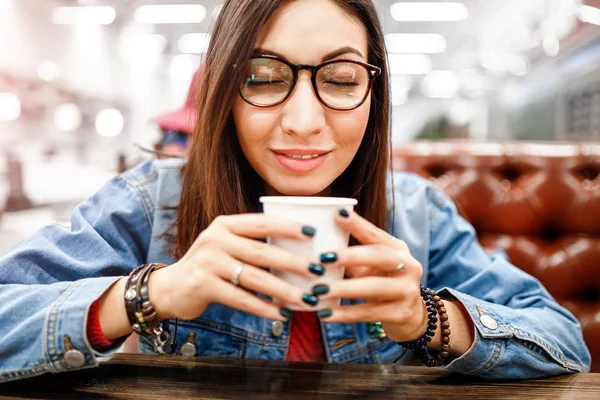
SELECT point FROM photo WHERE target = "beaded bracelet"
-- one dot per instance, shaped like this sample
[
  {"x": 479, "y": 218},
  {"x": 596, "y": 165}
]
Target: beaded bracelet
[
  {"x": 140, "y": 312},
  {"x": 435, "y": 305}
]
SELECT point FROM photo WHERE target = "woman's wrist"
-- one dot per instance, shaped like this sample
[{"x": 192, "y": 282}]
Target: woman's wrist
[
  {"x": 462, "y": 335},
  {"x": 159, "y": 293},
  {"x": 111, "y": 312}
]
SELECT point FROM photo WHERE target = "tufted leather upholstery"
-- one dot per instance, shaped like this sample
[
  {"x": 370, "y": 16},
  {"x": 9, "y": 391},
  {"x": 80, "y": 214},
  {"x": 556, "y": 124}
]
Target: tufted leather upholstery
[{"x": 539, "y": 202}]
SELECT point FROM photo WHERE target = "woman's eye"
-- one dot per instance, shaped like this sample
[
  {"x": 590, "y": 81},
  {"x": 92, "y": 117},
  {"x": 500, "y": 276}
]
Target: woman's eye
[
  {"x": 342, "y": 84},
  {"x": 263, "y": 83}
]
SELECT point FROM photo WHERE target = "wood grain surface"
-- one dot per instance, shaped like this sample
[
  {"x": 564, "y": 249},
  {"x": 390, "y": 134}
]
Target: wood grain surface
[{"x": 138, "y": 376}]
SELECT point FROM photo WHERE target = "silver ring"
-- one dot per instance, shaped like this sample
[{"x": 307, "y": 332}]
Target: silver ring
[
  {"x": 236, "y": 275},
  {"x": 398, "y": 267}
]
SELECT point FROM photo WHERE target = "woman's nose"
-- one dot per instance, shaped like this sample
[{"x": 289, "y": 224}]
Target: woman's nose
[{"x": 303, "y": 113}]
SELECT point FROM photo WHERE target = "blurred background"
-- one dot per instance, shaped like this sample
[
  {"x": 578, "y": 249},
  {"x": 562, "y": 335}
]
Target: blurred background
[{"x": 83, "y": 81}]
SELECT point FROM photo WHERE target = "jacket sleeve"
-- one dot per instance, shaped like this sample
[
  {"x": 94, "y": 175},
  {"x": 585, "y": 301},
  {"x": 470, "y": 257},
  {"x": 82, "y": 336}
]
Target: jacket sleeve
[
  {"x": 49, "y": 281},
  {"x": 520, "y": 331}
]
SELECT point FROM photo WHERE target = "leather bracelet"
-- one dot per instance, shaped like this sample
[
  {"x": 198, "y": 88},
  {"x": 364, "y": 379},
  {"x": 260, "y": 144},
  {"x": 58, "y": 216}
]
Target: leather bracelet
[
  {"x": 130, "y": 295},
  {"x": 140, "y": 312}
]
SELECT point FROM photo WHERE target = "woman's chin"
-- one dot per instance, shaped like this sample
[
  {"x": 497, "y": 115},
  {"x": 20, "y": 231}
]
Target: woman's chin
[{"x": 291, "y": 189}]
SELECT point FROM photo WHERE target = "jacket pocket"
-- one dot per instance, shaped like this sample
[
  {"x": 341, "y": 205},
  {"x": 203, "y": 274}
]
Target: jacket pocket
[{"x": 215, "y": 333}]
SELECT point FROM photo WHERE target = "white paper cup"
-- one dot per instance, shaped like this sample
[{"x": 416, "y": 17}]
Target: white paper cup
[{"x": 319, "y": 213}]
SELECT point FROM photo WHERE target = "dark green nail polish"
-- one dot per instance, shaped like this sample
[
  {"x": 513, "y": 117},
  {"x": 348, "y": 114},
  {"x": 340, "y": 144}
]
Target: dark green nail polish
[
  {"x": 310, "y": 299},
  {"x": 309, "y": 231},
  {"x": 343, "y": 213},
  {"x": 289, "y": 314},
  {"x": 329, "y": 257},
  {"x": 320, "y": 290},
  {"x": 324, "y": 313},
  {"x": 316, "y": 269}
]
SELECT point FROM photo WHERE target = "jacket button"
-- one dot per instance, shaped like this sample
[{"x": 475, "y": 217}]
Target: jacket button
[
  {"x": 74, "y": 358},
  {"x": 188, "y": 349},
  {"x": 488, "y": 322},
  {"x": 277, "y": 328}
]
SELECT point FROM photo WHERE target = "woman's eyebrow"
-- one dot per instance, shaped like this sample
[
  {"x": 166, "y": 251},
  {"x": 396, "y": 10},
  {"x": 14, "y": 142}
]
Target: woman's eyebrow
[
  {"x": 339, "y": 52},
  {"x": 329, "y": 56}
]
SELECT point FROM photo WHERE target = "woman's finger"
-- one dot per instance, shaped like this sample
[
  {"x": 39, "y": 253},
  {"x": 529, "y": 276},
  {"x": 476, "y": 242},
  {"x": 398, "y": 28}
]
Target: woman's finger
[
  {"x": 369, "y": 312},
  {"x": 377, "y": 256},
  {"x": 365, "y": 232},
  {"x": 258, "y": 280},
  {"x": 266, "y": 255},
  {"x": 242, "y": 300},
  {"x": 372, "y": 288},
  {"x": 258, "y": 226}
]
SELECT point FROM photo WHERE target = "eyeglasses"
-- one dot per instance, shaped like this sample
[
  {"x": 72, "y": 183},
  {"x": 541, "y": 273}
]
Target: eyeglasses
[{"x": 339, "y": 84}]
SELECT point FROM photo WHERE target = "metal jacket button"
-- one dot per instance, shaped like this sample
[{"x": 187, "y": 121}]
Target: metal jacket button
[
  {"x": 73, "y": 357},
  {"x": 486, "y": 320},
  {"x": 189, "y": 348},
  {"x": 277, "y": 328}
]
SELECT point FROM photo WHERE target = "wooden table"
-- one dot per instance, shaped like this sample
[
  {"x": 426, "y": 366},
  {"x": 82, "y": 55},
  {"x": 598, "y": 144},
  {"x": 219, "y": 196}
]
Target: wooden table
[{"x": 137, "y": 376}]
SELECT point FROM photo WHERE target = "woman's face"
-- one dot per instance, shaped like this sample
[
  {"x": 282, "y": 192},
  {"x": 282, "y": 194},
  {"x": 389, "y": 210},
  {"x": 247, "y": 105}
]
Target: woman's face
[{"x": 304, "y": 32}]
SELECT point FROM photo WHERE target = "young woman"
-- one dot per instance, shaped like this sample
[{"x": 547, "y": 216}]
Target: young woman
[{"x": 294, "y": 101}]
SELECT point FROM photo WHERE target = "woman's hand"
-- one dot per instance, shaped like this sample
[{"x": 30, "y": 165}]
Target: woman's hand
[
  {"x": 204, "y": 274},
  {"x": 385, "y": 275}
]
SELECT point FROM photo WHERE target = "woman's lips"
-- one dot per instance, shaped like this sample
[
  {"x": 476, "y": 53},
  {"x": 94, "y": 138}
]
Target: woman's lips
[{"x": 299, "y": 165}]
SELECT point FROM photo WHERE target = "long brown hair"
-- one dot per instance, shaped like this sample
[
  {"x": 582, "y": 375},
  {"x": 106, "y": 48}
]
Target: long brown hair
[{"x": 218, "y": 180}]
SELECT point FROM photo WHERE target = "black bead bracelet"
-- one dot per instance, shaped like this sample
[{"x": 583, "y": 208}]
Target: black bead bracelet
[{"x": 435, "y": 306}]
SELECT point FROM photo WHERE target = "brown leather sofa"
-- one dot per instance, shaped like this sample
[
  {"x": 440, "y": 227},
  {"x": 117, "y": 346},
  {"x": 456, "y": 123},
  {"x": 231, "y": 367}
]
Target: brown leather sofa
[{"x": 539, "y": 202}]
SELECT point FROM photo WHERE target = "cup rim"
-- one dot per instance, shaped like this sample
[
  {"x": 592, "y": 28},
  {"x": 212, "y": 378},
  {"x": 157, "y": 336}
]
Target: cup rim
[{"x": 308, "y": 201}]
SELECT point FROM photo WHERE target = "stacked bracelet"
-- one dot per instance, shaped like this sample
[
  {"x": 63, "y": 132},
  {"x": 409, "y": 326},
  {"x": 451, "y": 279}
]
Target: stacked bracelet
[
  {"x": 142, "y": 316},
  {"x": 435, "y": 307}
]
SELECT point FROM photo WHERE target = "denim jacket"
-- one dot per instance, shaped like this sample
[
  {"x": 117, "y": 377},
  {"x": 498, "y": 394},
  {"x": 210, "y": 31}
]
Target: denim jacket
[{"x": 49, "y": 281}]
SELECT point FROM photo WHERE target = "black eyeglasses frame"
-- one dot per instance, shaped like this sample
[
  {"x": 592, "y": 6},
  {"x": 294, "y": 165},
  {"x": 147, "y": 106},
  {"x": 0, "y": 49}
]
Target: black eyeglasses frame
[{"x": 373, "y": 72}]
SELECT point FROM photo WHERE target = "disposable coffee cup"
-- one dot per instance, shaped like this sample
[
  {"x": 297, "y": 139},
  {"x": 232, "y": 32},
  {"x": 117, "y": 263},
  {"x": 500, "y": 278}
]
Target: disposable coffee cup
[{"x": 319, "y": 213}]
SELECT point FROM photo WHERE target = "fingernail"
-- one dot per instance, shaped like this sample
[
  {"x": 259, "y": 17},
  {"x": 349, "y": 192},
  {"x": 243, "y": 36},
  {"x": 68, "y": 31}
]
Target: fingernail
[
  {"x": 308, "y": 231},
  {"x": 310, "y": 299},
  {"x": 324, "y": 313},
  {"x": 316, "y": 269},
  {"x": 289, "y": 314},
  {"x": 329, "y": 257},
  {"x": 320, "y": 290},
  {"x": 344, "y": 213}
]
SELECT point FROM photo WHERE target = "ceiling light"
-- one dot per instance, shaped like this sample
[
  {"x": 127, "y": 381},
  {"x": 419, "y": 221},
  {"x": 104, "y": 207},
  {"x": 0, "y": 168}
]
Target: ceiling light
[
  {"x": 460, "y": 112},
  {"x": 67, "y": 117},
  {"x": 435, "y": 11},
  {"x": 428, "y": 43},
  {"x": 193, "y": 43},
  {"x": 170, "y": 14},
  {"x": 517, "y": 65},
  {"x": 551, "y": 46},
  {"x": 440, "y": 84},
  {"x": 589, "y": 14},
  {"x": 90, "y": 15},
  {"x": 150, "y": 44},
  {"x": 109, "y": 122},
  {"x": 10, "y": 106},
  {"x": 48, "y": 71},
  {"x": 409, "y": 64},
  {"x": 491, "y": 61}
]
